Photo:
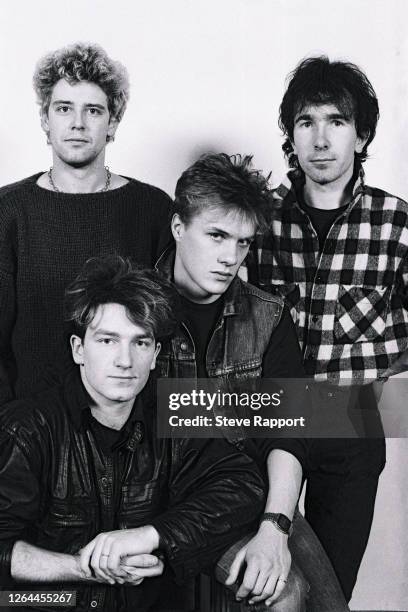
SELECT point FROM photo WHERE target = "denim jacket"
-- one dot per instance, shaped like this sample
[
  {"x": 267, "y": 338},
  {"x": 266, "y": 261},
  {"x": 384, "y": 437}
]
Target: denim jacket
[
  {"x": 236, "y": 349},
  {"x": 235, "y": 354}
]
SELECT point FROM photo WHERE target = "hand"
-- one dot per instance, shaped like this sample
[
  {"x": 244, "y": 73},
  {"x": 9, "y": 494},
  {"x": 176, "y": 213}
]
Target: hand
[
  {"x": 104, "y": 553},
  {"x": 139, "y": 567},
  {"x": 268, "y": 560}
]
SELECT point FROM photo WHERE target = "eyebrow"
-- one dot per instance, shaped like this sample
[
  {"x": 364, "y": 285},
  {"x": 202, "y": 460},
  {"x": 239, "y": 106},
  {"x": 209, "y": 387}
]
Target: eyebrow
[
  {"x": 330, "y": 116},
  {"x": 88, "y": 105},
  {"x": 227, "y": 234},
  {"x": 112, "y": 334}
]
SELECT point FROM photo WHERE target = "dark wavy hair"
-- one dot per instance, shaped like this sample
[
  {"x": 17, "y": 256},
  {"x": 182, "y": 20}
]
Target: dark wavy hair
[
  {"x": 83, "y": 62},
  {"x": 150, "y": 300},
  {"x": 317, "y": 80},
  {"x": 223, "y": 181}
]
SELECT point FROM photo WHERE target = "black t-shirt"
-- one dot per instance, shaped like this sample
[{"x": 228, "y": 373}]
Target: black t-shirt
[
  {"x": 106, "y": 437},
  {"x": 200, "y": 320},
  {"x": 322, "y": 219}
]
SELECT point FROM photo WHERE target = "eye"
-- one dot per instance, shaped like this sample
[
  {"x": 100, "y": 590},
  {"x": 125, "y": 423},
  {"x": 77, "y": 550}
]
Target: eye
[
  {"x": 337, "y": 122},
  {"x": 94, "y": 111},
  {"x": 216, "y": 236},
  {"x": 245, "y": 243},
  {"x": 305, "y": 124},
  {"x": 144, "y": 343},
  {"x": 106, "y": 341},
  {"x": 63, "y": 109}
]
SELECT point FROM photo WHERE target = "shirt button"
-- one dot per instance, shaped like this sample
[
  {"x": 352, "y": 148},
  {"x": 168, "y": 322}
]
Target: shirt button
[
  {"x": 315, "y": 318},
  {"x": 183, "y": 346},
  {"x": 104, "y": 482},
  {"x": 94, "y": 603}
]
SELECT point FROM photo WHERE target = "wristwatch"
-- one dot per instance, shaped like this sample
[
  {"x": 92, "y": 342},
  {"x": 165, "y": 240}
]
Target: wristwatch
[{"x": 281, "y": 521}]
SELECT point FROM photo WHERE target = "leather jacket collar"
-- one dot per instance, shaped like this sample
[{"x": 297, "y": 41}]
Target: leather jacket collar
[{"x": 78, "y": 404}]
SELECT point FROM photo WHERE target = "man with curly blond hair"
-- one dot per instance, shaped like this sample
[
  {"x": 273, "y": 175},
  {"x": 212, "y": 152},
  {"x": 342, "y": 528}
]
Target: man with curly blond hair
[{"x": 53, "y": 221}]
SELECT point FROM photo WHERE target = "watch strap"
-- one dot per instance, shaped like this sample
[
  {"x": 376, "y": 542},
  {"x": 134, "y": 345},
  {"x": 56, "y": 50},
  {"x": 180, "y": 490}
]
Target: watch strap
[{"x": 281, "y": 521}]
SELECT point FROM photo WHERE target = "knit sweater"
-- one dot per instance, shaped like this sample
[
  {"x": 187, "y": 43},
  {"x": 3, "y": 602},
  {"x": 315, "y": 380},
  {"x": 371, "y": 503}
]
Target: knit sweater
[{"x": 45, "y": 238}]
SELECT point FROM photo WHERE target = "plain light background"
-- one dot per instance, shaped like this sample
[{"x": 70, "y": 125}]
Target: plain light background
[{"x": 209, "y": 75}]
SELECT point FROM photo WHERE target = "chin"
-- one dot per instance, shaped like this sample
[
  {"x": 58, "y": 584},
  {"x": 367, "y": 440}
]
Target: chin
[{"x": 78, "y": 161}]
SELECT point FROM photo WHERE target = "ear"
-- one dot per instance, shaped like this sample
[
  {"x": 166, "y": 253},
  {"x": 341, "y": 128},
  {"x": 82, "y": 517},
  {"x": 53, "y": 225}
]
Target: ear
[
  {"x": 77, "y": 349},
  {"x": 112, "y": 127},
  {"x": 44, "y": 121},
  {"x": 360, "y": 143},
  {"x": 156, "y": 352},
  {"x": 177, "y": 227}
]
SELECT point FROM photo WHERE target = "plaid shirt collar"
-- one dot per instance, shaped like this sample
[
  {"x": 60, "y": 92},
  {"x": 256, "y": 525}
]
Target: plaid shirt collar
[{"x": 290, "y": 191}]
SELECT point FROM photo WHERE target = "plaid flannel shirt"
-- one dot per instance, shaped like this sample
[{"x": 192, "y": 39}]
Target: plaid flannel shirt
[{"x": 348, "y": 301}]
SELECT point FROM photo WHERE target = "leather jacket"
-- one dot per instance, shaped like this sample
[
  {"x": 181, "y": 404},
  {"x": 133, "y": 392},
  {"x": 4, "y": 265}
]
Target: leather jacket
[{"x": 58, "y": 491}]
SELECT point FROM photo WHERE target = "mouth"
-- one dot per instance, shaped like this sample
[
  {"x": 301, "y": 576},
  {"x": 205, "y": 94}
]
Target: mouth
[
  {"x": 223, "y": 275},
  {"x": 322, "y": 160},
  {"x": 76, "y": 140},
  {"x": 123, "y": 377}
]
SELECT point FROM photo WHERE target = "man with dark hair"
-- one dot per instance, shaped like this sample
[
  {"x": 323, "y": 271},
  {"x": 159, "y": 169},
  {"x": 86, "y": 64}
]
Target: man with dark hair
[
  {"x": 235, "y": 334},
  {"x": 91, "y": 500},
  {"x": 52, "y": 222},
  {"x": 337, "y": 252}
]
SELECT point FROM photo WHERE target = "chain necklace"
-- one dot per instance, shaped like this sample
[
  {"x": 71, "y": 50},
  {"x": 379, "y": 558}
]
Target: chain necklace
[{"x": 104, "y": 188}]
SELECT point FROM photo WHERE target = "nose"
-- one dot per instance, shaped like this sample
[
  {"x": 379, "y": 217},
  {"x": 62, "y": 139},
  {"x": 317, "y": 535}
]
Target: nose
[
  {"x": 229, "y": 254},
  {"x": 123, "y": 357},
  {"x": 321, "y": 137},
  {"x": 78, "y": 120}
]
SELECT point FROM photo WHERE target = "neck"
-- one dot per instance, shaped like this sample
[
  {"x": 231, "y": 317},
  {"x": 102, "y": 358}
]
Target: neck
[
  {"x": 88, "y": 179},
  {"x": 328, "y": 196},
  {"x": 111, "y": 417}
]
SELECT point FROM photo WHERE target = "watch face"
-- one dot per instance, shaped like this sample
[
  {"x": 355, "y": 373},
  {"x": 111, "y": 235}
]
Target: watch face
[{"x": 283, "y": 522}]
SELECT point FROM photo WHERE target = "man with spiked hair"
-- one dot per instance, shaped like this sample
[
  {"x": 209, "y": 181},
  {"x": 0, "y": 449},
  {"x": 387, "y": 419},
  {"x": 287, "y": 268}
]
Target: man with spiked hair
[
  {"x": 337, "y": 252},
  {"x": 233, "y": 333},
  {"x": 53, "y": 221}
]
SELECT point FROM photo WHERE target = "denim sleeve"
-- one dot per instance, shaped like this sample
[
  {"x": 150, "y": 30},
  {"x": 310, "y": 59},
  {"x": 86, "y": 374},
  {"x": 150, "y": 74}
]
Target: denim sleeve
[
  {"x": 216, "y": 493},
  {"x": 19, "y": 498}
]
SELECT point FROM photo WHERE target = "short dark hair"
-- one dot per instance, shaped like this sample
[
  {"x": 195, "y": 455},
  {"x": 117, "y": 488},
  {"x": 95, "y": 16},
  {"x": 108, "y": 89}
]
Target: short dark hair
[
  {"x": 83, "y": 62},
  {"x": 317, "y": 80},
  {"x": 223, "y": 181},
  {"x": 149, "y": 299}
]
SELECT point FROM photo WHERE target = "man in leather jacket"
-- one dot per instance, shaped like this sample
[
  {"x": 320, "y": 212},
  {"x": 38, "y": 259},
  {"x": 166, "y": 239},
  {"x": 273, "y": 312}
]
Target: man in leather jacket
[{"x": 91, "y": 500}]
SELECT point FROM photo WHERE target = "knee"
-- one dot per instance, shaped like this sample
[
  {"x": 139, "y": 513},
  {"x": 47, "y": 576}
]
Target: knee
[{"x": 294, "y": 596}]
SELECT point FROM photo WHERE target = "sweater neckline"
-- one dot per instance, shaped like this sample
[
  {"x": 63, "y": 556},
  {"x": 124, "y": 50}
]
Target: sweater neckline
[{"x": 90, "y": 196}]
